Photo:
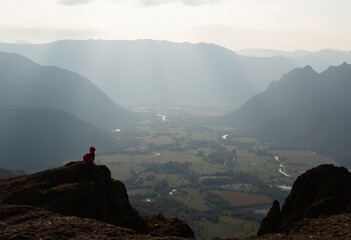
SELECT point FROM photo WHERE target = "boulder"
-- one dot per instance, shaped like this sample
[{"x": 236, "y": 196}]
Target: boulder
[
  {"x": 68, "y": 190},
  {"x": 273, "y": 220},
  {"x": 321, "y": 191}
]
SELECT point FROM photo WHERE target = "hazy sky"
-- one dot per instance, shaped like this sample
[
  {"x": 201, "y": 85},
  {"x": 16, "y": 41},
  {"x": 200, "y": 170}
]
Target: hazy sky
[{"x": 235, "y": 24}]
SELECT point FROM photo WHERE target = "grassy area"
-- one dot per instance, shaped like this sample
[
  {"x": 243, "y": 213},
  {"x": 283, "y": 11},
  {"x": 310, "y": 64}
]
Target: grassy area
[
  {"x": 138, "y": 191},
  {"x": 205, "y": 167},
  {"x": 204, "y": 136},
  {"x": 173, "y": 180},
  {"x": 242, "y": 199},
  {"x": 227, "y": 227},
  {"x": 120, "y": 169},
  {"x": 246, "y": 140},
  {"x": 195, "y": 200},
  {"x": 160, "y": 140}
]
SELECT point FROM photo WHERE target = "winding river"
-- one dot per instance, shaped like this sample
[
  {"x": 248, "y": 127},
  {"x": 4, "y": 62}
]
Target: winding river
[{"x": 281, "y": 169}]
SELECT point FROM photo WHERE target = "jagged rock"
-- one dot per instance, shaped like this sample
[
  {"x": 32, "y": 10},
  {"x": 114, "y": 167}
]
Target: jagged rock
[
  {"x": 335, "y": 227},
  {"x": 321, "y": 191},
  {"x": 273, "y": 220},
  {"x": 66, "y": 190},
  {"x": 160, "y": 226}
]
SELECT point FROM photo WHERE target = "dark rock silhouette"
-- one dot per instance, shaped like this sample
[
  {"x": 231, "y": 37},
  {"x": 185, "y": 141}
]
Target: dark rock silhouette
[
  {"x": 66, "y": 190},
  {"x": 25, "y": 222},
  {"x": 321, "y": 191},
  {"x": 272, "y": 221},
  {"x": 160, "y": 226},
  {"x": 335, "y": 227}
]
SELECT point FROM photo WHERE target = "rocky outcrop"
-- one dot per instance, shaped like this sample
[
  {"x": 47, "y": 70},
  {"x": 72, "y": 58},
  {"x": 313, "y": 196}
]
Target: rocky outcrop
[
  {"x": 272, "y": 221},
  {"x": 335, "y": 227},
  {"x": 321, "y": 191},
  {"x": 68, "y": 191},
  {"x": 19, "y": 222},
  {"x": 160, "y": 226}
]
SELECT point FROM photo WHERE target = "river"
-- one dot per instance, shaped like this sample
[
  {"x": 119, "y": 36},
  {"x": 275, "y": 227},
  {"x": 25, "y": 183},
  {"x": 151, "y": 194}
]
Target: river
[
  {"x": 281, "y": 169},
  {"x": 225, "y": 136},
  {"x": 163, "y": 117}
]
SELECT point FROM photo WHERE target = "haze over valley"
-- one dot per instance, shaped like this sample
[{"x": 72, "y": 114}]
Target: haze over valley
[
  {"x": 207, "y": 111},
  {"x": 204, "y": 156}
]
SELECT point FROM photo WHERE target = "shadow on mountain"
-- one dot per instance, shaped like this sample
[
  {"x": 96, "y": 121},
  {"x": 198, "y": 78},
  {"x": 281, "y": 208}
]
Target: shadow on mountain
[
  {"x": 304, "y": 109},
  {"x": 33, "y": 139}
]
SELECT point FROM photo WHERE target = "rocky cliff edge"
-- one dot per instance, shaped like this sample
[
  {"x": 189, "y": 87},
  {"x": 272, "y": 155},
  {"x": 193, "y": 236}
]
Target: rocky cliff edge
[{"x": 67, "y": 194}]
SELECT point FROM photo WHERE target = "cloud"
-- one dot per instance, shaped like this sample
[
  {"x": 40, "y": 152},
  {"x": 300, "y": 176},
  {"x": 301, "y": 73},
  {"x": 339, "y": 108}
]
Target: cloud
[
  {"x": 148, "y": 3},
  {"x": 73, "y": 2}
]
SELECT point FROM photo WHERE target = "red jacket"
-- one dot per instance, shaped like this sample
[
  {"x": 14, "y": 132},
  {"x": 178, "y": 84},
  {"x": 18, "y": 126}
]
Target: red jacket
[{"x": 89, "y": 158}]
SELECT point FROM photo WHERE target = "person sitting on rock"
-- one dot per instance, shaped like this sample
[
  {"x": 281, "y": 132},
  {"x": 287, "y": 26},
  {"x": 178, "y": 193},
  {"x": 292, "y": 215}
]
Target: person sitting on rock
[{"x": 88, "y": 159}]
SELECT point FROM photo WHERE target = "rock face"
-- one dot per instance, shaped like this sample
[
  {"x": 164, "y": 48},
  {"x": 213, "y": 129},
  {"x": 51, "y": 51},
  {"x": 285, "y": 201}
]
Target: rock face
[
  {"x": 272, "y": 221},
  {"x": 27, "y": 223},
  {"x": 335, "y": 227},
  {"x": 321, "y": 191},
  {"x": 66, "y": 190}
]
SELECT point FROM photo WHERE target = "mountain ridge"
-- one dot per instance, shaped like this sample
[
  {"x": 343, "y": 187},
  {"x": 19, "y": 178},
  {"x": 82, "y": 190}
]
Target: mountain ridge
[
  {"x": 25, "y": 83},
  {"x": 169, "y": 73},
  {"x": 31, "y": 136},
  {"x": 319, "y": 60}
]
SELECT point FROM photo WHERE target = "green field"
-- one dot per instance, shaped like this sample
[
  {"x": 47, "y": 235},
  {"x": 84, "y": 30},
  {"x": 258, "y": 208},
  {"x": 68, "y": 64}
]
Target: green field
[
  {"x": 227, "y": 227},
  {"x": 242, "y": 199},
  {"x": 195, "y": 200}
]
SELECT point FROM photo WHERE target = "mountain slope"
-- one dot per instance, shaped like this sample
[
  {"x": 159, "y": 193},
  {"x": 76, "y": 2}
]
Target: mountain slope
[
  {"x": 25, "y": 83},
  {"x": 4, "y": 173},
  {"x": 29, "y": 137},
  {"x": 146, "y": 72},
  {"x": 304, "y": 109}
]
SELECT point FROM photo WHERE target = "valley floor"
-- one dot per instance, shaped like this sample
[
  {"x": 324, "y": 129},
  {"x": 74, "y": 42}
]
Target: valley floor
[{"x": 218, "y": 181}]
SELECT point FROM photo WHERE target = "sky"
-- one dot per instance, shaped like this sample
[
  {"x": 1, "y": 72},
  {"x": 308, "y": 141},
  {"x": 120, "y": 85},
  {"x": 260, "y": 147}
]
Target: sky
[{"x": 235, "y": 24}]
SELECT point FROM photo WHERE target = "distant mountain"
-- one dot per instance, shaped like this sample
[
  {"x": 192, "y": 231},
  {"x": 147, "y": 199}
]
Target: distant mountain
[
  {"x": 304, "y": 109},
  {"x": 147, "y": 72},
  {"x": 262, "y": 52},
  {"x": 319, "y": 61},
  {"x": 4, "y": 173},
  {"x": 33, "y": 139},
  {"x": 25, "y": 83}
]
